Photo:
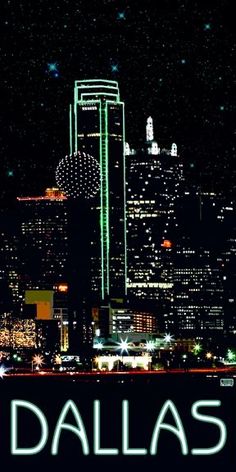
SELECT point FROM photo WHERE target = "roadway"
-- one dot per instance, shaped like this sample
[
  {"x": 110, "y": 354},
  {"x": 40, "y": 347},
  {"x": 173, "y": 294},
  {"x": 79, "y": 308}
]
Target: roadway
[{"x": 50, "y": 373}]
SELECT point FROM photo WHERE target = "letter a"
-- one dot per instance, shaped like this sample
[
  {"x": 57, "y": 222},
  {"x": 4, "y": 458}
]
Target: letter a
[
  {"x": 79, "y": 430},
  {"x": 177, "y": 431}
]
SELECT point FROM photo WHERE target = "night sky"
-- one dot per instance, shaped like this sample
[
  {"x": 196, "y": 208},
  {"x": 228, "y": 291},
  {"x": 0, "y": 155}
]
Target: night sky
[{"x": 173, "y": 59}]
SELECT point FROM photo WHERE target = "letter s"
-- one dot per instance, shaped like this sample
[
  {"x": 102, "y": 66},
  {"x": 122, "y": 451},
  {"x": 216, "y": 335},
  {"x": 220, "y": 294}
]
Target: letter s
[{"x": 209, "y": 419}]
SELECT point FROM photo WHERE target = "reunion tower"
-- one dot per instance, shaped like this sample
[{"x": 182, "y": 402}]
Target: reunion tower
[{"x": 78, "y": 176}]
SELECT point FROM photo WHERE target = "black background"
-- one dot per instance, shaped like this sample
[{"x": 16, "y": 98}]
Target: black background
[
  {"x": 146, "y": 395},
  {"x": 174, "y": 60}
]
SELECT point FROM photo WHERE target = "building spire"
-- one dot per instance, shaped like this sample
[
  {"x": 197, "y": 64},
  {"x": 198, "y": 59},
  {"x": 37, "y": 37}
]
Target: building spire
[
  {"x": 149, "y": 130},
  {"x": 174, "y": 151},
  {"x": 127, "y": 149},
  {"x": 151, "y": 143}
]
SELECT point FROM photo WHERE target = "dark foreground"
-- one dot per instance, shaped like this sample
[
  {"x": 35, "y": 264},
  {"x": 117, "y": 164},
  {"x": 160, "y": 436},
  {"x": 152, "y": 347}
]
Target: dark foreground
[{"x": 146, "y": 395}]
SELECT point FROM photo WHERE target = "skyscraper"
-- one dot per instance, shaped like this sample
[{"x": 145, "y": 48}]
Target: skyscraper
[
  {"x": 154, "y": 179},
  {"x": 97, "y": 127},
  {"x": 43, "y": 240},
  {"x": 198, "y": 302},
  {"x": 9, "y": 281},
  {"x": 53, "y": 266},
  {"x": 173, "y": 265}
]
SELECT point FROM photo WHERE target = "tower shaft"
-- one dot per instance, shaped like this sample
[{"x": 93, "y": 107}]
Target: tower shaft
[{"x": 97, "y": 126}]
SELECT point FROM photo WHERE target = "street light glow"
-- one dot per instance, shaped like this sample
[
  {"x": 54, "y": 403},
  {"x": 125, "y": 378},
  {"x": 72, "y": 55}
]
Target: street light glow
[
  {"x": 197, "y": 348},
  {"x": 38, "y": 360},
  {"x": 150, "y": 345},
  {"x": 208, "y": 355},
  {"x": 230, "y": 355},
  {"x": 3, "y": 371},
  {"x": 123, "y": 345},
  {"x": 98, "y": 345},
  {"x": 168, "y": 338}
]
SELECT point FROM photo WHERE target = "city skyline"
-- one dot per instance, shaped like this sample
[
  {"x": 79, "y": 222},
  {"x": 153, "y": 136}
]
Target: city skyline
[
  {"x": 155, "y": 178},
  {"x": 117, "y": 234},
  {"x": 146, "y": 246}
]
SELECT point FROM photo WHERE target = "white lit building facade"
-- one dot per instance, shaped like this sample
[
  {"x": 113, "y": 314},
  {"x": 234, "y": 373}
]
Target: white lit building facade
[{"x": 171, "y": 271}]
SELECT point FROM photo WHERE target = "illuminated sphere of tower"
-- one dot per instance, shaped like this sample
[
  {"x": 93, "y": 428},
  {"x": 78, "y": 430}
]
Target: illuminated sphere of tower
[{"x": 78, "y": 175}]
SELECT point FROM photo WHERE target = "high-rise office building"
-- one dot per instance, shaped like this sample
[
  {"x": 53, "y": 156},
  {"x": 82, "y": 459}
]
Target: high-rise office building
[
  {"x": 197, "y": 291},
  {"x": 117, "y": 318},
  {"x": 172, "y": 258},
  {"x": 198, "y": 302},
  {"x": 43, "y": 240},
  {"x": 50, "y": 246},
  {"x": 42, "y": 261},
  {"x": 97, "y": 127},
  {"x": 227, "y": 261},
  {"x": 154, "y": 179},
  {"x": 9, "y": 280},
  {"x": 131, "y": 321}
]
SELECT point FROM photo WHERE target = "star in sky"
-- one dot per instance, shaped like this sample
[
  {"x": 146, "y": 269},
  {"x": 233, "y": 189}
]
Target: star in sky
[
  {"x": 114, "y": 68},
  {"x": 121, "y": 15},
  {"x": 10, "y": 173},
  {"x": 52, "y": 50},
  {"x": 53, "y": 69}
]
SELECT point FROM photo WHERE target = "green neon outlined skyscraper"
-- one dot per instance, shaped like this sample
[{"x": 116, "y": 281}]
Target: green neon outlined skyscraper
[{"x": 97, "y": 126}]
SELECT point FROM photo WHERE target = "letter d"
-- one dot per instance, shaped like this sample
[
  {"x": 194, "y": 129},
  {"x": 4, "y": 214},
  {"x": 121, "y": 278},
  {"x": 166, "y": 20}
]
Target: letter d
[{"x": 15, "y": 450}]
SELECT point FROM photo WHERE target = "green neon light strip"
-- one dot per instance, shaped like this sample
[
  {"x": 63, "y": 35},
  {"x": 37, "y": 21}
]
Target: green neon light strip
[
  {"x": 104, "y": 222},
  {"x": 124, "y": 177},
  {"x": 109, "y": 87},
  {"x": 70, "y": 129},
  {"x": 76, "y": 97},
  {"x": 75, "y": 117},
  {"x": 104, "y": 216},
  {"x": 101, "y": 200},
  {"x": 107, "y": 203},
  {"x": 96, "y": 80},
  {"x": 99, "y": 94}
]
